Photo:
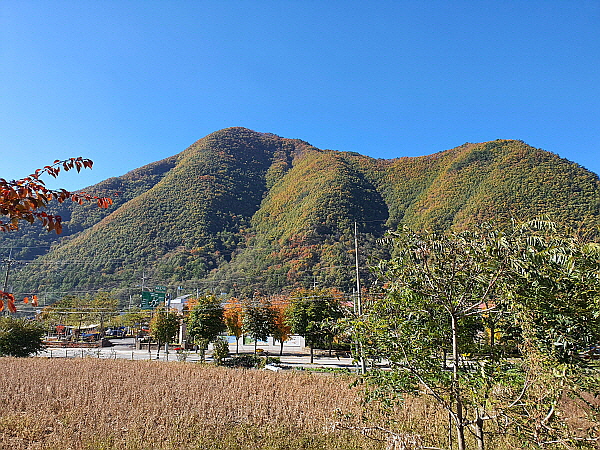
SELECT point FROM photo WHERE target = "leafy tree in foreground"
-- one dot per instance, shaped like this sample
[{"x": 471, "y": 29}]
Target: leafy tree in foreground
[
  {"x": 455, "y": 306},
  {"x": 163, "y": 327},
  {"x": 23, "y": 200},
  {"x": 19, "y": 337},
  {"x": 281, "y": 330},
  {"x": 313, "y": 314},
  {"x": 232, "y": 314},
  {"x": 220, "y": 350}
]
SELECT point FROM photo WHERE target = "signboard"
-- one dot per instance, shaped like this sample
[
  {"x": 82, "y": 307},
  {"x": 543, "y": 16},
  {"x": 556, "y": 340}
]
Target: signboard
[{"x": 150, "y": 300}]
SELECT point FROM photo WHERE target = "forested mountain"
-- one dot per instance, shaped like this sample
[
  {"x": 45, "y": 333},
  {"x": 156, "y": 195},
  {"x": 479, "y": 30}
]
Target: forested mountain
[{"x": 240, "y": 210}]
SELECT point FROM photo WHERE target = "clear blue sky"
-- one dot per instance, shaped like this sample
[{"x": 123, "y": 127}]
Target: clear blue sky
[{"x": 129, "y": 82}]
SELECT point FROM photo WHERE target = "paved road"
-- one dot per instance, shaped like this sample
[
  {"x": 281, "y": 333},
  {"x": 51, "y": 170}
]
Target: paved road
[{"x": 125, "y": 349}]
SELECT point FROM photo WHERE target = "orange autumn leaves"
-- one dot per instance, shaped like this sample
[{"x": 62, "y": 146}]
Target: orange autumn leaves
[
  {"x": 22, "y": 200},
  {"x": 233, "y": 315},
  {"x": 7, "y": 301}
]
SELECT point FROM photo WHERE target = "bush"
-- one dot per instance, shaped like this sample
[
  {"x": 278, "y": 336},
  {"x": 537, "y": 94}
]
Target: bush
[
  {"x": 248, "y": 361},
  {"x": 19, "y": 337},
  {"x": 220, "y": 351}
]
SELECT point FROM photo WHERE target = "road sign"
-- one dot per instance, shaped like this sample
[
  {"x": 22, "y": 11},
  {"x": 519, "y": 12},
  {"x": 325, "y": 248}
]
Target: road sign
[{"x": 151, "y": 300}]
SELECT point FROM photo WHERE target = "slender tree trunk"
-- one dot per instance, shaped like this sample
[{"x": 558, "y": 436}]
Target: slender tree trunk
[
  {"x": 460, "y": 422},
  {"x": 450, "y": 443},
  {"x": 460, "y": 427},
  {"x": 157, "y": 349},
  {"x": 312, "y": 358},
  {"x": 479, "y": 435},
  {"x": 281, "y": 348},
  {"x": 237, "y": 345}
]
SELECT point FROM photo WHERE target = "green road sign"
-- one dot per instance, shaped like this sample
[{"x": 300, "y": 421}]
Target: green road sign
[{"x": 150, "y": 300}]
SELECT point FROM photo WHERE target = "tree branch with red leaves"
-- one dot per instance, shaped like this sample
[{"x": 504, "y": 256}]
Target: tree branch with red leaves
[{"x": 25, "y": 200}]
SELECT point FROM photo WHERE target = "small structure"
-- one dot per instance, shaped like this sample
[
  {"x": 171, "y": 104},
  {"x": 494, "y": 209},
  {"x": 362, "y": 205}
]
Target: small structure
[{"x": 179, "y": 303}]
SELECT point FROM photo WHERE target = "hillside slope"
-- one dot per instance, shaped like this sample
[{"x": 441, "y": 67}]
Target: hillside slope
[{"x": 240, "y": 210}]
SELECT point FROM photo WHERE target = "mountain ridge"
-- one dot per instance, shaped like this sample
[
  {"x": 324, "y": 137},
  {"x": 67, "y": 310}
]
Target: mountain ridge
[{"x": 240, "y": 210}]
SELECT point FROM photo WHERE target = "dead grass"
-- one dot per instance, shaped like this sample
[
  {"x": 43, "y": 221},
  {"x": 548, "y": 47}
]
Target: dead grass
[{"x": 119, "y": 404}]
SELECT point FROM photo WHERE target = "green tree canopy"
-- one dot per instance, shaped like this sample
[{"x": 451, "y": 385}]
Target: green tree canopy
[
  {"x": 457, "y": 303},
  {"x": 313, "y": 313},
  {"x": 164, "y": 326},
  {"x": 19, "y": 337},
  {"x": 205, "y": 321},
  {"x": 258, "y": 318}
]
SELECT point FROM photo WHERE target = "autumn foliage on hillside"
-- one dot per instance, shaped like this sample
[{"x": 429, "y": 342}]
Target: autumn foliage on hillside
[{"x": 244, "y": 210}]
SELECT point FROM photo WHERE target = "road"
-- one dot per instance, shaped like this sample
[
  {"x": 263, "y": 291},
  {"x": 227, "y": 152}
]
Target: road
[{"x": 125, "y": 349}]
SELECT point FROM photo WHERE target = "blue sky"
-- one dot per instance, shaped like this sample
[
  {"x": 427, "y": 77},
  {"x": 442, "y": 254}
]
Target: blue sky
[{"x": 128, "y": 82}]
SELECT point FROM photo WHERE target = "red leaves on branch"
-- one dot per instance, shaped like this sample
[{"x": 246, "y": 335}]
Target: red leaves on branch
[
  {"x": 7, "y": 300},
  {"x": 33, "y": 300},
  {"x": 21, "y": 199}
]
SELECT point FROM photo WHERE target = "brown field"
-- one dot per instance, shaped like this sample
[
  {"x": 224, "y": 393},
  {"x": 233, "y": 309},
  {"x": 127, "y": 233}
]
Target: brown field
[{"x": 119, "y": 404}]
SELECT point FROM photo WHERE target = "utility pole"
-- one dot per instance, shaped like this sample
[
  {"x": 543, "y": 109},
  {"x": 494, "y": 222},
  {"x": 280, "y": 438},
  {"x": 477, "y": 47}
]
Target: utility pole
[
  {"x": 144, "y": 277},
  {"x": 8, "y": 262},
  {"x": 359, "y": 310}
]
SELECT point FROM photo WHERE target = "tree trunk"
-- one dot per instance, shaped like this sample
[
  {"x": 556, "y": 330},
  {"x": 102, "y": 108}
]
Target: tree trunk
[
  {"x": 479, "y": 436},
  {"x": 460, "y": 426},
  {"x": 450, "y": 444},
  {"x": 460, "y": 422},
  {"x": 157, "y": 349},
  {"x": 237, "y": 345},
  {"x": 281, "y": 349},
  {"x": 312, "y": 358}
]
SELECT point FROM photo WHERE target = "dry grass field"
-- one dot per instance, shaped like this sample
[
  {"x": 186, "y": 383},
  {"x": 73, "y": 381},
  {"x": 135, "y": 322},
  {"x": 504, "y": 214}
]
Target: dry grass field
[{"x": 118, "y": 404}]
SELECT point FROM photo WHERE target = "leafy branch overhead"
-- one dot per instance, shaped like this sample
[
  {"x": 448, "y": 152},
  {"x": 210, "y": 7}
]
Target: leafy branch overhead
[{"x": 24, "y": 199}]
